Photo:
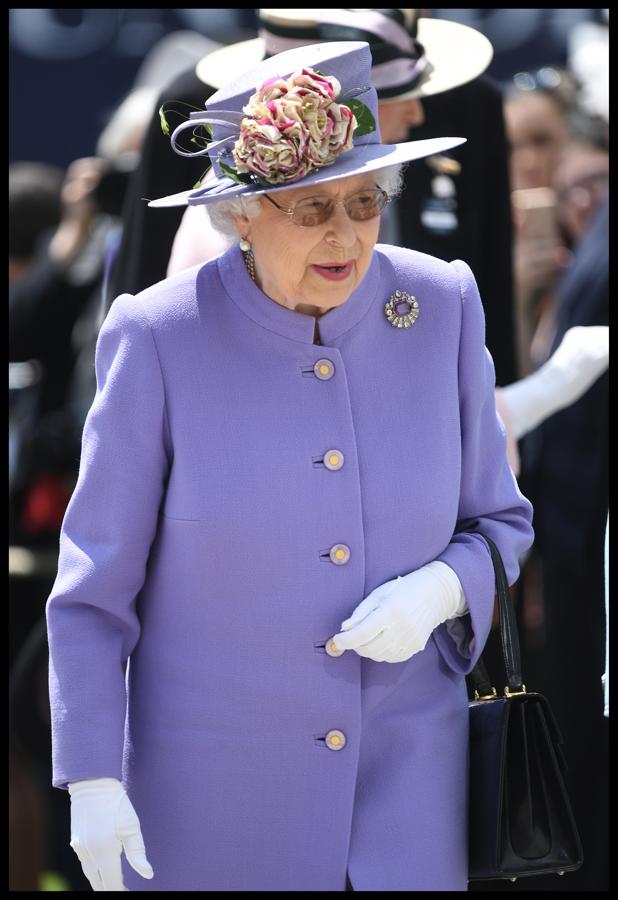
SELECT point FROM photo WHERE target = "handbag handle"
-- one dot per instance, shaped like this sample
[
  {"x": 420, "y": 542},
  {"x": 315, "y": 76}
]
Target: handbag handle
[{"x": 508, "y": 636}]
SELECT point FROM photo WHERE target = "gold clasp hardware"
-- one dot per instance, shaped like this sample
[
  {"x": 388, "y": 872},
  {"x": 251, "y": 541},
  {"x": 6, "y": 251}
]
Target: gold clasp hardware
[
  {"x": 491, "y": 696},
  {"x": 508, "y": 693},
  {"x": 561, "y": 872},
  {"x": 513, "y": 879}
]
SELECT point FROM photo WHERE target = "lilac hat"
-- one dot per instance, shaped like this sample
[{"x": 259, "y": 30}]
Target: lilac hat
[{"x": 303, "y": 117}]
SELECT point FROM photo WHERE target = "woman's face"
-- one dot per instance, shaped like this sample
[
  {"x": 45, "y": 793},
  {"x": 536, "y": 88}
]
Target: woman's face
[
  {"x": 581, "y": 183},
  {"x": 537, "y": 132},
  {"x": 397, "y": 117},
  {"x": 291, "y": 261}
]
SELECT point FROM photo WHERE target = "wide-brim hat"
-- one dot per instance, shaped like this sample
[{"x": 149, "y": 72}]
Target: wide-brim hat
[
  {"x": 453, "y": 53},
  {"x": 349, "y": 62}
]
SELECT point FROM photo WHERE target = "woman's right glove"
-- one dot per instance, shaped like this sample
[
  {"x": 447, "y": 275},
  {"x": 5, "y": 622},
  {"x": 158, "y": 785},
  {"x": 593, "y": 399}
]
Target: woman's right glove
[
  {"x": 103, "y": 823},
  {"x": 395, "y": 621}
]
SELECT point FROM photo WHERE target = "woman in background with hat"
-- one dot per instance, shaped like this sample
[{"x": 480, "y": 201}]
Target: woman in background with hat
[{"x": 272, "y": 576}]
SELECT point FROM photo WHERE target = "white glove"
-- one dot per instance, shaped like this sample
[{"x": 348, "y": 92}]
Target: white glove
[
  {"x": 396, "y": 619},
  {"x": 103, "y": 822},
  {"x": 583, "y": 355}
]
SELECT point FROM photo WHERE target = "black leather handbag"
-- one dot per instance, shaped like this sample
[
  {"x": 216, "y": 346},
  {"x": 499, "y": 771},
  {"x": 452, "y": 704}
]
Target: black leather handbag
[{"x": 520, "y": 818}]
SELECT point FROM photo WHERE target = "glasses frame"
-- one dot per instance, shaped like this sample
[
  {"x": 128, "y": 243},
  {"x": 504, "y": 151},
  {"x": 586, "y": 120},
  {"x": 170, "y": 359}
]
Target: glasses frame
[{"x": 290, "y": 211}]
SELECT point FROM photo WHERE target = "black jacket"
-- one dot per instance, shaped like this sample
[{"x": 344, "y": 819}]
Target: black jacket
[
  {"x": 148, "y": 234},
  {"x": 565, "y": 461},
  {"x": 482, "y": 235}
]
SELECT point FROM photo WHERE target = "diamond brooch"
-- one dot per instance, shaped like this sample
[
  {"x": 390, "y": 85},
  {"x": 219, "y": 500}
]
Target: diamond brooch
[{"x": 401, "y": 310}]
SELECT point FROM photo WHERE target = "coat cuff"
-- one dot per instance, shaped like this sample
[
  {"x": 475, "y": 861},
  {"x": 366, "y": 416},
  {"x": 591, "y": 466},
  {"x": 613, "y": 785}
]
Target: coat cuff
[{"x": 461, "y": 640}]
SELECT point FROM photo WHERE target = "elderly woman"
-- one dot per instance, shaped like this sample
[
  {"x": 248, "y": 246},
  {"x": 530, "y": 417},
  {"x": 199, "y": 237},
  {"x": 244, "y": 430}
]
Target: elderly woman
[
  {"x": 273, "y": 578},
  {"x": 413, "y": 57}
]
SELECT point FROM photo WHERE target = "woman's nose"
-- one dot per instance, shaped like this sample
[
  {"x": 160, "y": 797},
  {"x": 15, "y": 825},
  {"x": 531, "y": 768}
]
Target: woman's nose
[
  {"x": 527, "y": 168},
  {"x": 341, "y": 226}
]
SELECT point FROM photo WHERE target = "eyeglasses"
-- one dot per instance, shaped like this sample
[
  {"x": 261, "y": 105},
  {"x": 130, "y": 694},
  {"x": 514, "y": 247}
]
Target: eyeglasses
[
  {"x": 545, "y": 79},
  {"x": 558, "y": 83},
  {"x": 588, "y": 182},
  {"x": 312, "y": 211}
]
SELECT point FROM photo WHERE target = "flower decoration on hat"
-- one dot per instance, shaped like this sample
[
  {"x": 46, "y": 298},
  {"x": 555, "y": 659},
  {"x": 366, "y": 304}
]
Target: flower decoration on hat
[
  {"x": 289, "y": 128},
  {"x": 293, "y": 126}
]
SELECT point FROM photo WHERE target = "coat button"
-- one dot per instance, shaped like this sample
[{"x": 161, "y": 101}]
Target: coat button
[
  {"x": 335, "y": 740},
  {"x": 339, "y": 554},
  {"x": 332, "y": 649},
  {"x": 324, "y": 369},
  {"x": 333, "y": 459}
]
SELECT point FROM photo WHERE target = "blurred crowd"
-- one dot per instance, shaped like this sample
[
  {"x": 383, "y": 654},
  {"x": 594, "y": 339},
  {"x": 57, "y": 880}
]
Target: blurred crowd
[{"x": 531, "y": 218}]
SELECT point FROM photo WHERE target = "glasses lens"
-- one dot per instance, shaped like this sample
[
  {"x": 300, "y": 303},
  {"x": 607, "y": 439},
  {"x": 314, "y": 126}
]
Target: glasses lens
[
  {"x": 545, "y": 79},
  {"x": 312, "y": 211},
  {"x": 363, "y": 205},
  {"x": 366, "y": 204}
]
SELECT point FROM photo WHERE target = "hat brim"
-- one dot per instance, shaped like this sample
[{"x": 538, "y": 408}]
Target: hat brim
[
  {"x": 357, "y": 161},
  {"x": 227, "y": 63},
  {"x": 455, "y": 55}
]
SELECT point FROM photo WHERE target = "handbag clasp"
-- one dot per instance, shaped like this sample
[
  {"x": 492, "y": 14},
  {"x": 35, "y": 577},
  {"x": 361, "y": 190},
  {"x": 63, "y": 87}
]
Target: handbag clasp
[
  {"x": 508, "y": 693},
  {"x": 491, "y": 696}
]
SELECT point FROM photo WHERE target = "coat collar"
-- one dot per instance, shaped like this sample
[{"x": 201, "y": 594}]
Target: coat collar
[{"x": 286, "y": 322}]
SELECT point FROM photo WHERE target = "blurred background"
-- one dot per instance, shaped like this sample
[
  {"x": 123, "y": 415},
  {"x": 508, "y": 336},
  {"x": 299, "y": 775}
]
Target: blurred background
[
  {"x": 69, "y": 68},
  {"x": 84, "y": 86}
]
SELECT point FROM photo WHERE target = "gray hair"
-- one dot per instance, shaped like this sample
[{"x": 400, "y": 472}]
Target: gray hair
[{"x": 390, "y": 179}]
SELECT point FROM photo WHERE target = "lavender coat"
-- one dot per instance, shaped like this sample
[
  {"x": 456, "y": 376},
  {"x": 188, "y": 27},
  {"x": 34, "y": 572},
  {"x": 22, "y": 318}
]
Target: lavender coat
[{"x": 194, "y": 560}]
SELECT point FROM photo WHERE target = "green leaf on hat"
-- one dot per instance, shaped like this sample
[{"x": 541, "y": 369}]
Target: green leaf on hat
[
  {"x": 364, "y": 117},
  {"x": 170, "y": 106},
  {"x": 164, "y": 126},
  {"x": 234, "y": 175},
  {"x": 199, "y": 139},
  {"x": 198, "y": 183}
]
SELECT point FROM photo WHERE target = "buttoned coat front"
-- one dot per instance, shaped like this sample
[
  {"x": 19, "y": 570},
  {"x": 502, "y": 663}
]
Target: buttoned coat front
[{"x": 196, "y": 589}]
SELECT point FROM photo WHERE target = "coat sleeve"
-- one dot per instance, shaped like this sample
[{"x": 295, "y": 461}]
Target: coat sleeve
[
  {"x": 490, "y": 502},
  {"x": 105, "y": 540}
]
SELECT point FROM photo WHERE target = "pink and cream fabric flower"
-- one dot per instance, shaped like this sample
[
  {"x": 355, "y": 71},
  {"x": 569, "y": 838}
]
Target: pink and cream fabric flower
[{"x": 292, "y": 127}]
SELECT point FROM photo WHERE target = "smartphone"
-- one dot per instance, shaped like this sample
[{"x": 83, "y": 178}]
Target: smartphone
[{"x": 534, "y": 213}]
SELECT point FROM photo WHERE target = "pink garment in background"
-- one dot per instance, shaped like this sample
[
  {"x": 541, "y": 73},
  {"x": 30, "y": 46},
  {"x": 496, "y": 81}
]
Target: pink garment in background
[{"x": 196, "y": 241}]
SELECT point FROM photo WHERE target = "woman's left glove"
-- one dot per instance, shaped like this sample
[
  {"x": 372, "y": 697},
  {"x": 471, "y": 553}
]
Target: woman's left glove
[{"x": 396, "y": 619}]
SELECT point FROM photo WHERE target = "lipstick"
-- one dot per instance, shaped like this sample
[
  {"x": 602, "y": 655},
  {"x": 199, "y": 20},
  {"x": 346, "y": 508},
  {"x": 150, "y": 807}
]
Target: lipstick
[{"x": 333, "y": 271}]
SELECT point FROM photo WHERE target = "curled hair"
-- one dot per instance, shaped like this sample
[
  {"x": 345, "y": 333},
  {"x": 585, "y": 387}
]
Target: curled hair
[
  {"x": 390, "y": 179},
  {"x": 221, "y": 214}
]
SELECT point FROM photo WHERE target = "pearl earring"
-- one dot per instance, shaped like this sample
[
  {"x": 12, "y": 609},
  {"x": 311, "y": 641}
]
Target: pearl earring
[{"x": 244, "y": 245}]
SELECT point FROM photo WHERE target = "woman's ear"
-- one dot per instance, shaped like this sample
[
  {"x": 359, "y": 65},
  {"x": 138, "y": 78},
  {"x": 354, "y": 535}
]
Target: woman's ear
[{"x": 241, "y": 224}]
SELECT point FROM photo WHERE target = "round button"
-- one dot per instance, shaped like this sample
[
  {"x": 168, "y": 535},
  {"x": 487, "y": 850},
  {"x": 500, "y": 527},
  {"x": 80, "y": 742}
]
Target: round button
[
  {"x": 333, "y": 459},
  {"x": 339, "y": 554},
  {"x": 335, "y": 740},
  {"x": 324, "y": 369},
  {"x": 332, "y": 649}
]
